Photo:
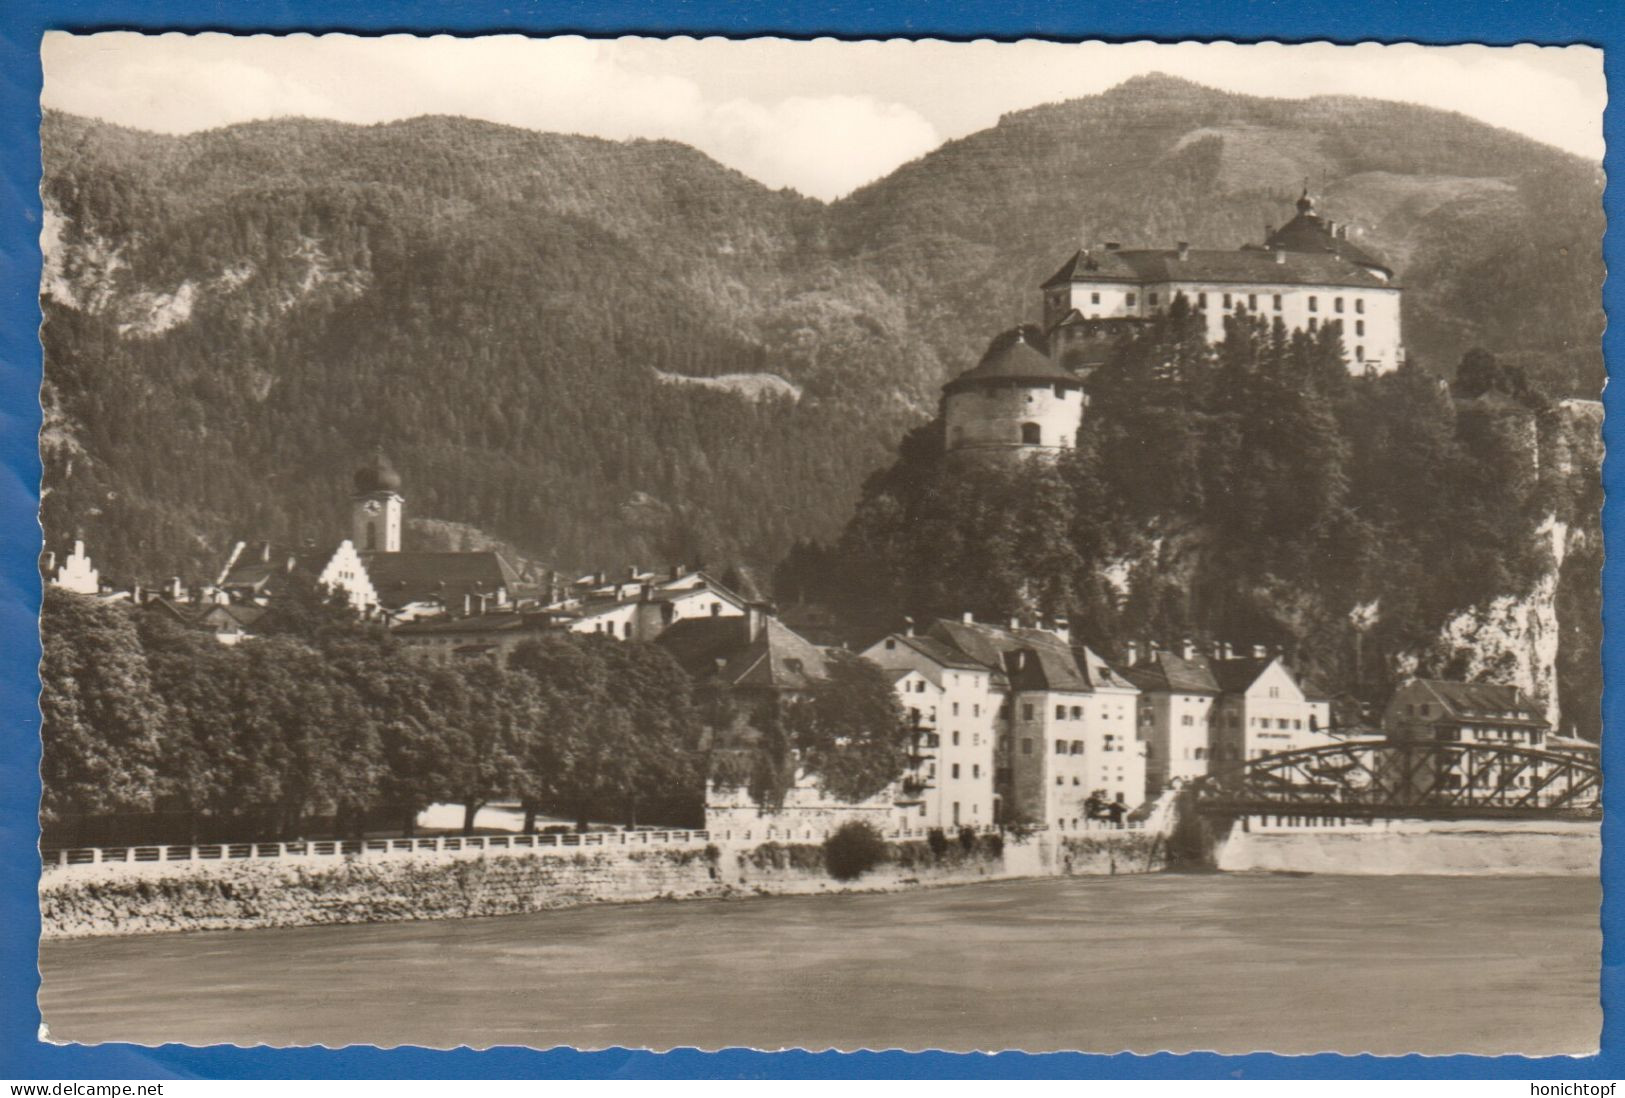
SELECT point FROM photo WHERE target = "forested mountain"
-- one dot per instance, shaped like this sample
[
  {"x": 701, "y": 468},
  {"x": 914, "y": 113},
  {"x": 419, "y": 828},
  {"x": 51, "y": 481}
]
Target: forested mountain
[{"x": 234, "y": 317}]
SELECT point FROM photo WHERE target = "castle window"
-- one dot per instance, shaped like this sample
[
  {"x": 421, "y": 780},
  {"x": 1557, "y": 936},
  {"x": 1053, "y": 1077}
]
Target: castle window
[
  {"x": 372, "y": 535},
  {"x": 1152, "y": 298},
  {"x": 1129, "y": 300},
  {"x": 1201, "y": 301},
  {"x": 1030, "y": 434},
  {"x": 1359, "y": 304},
  {"x": 1359, "y": 353},
  {"x": 1313, "y": 322},
  {"x": 1077, "y": 712},
  {"x": 1277, "y": 302},
  {"x": 955, "y": 770},
  {"x": 1338, "y": 304},
  {"x": 1252, "y": 302},
  {"x": 956, "y": 734},
  {"x": 1060, "y": 715},
  {"x": 1060, "y": 747},
  {"x": 1026, "y": 747},
  {"x": 1314, "y": 303},
  {"x": 1359, "y": 327},
  {"x": 1060, "y": 392},
  {"x": 1026, "y": 715},
  {"x": 1077, "y": 746},
  {"x": 1227, "y": 301},
  {"x": 1094, "y": 298}
]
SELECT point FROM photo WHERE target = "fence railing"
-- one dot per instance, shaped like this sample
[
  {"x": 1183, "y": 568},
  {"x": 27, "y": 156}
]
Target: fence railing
[{"x": 56, "y": 858}]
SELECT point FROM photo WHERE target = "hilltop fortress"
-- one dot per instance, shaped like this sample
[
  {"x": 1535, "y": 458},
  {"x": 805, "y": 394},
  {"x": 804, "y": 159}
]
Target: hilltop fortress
[{"x": 1029, "y": 400}]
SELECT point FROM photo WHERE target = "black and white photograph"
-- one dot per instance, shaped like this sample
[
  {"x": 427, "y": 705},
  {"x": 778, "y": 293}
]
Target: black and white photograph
[{"x": 710, "y": 543}]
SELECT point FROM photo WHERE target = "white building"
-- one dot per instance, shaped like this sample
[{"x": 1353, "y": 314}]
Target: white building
[
  {"x": 1307, "y": 274},
  {"x": 1015, "y": 401},
  {"x": 75, "y": 573},
  {"x": 952, "y": 702}
]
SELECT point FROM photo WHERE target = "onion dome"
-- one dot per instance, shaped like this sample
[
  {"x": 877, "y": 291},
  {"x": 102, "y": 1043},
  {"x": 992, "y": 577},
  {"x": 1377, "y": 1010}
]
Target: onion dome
[
  {"x": 1305, "y": 203},
  {"x": 378, "y": 475}
]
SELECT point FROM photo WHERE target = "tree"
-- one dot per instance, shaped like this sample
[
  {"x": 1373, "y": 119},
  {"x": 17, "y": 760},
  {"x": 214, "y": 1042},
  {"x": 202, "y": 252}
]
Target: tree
[
  {"x": 103, "y": 722},
  {"x": 848, "y": 731}
]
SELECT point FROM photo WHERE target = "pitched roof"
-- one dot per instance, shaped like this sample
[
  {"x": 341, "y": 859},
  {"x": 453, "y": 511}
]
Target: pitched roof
[
  {"x": 1013, "y": 359},
  {"x": 938, "y": 652},
  {"x": 1250, "y": 266},
  {"x": 1034, "y": 658},
  {"x": 777, "y": 658},
  {"x": 1482, "y": 701},
  {"x": 1234, "y": 676},
  {"x": 1166, "y": 672},
  {"x": 501, "y": 621},
  {"x": 402, "y": 578}
]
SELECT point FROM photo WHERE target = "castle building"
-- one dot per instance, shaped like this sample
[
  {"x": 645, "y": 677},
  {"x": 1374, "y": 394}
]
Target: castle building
[
  {"x": 75, "y": 572},
  {"x": 1016, "y": 401},
  {"x": 1307, "y": 273}
]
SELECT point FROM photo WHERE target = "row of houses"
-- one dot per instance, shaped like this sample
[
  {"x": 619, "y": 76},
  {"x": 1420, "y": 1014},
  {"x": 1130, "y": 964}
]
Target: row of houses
[{"x": 1007, "y": 722}]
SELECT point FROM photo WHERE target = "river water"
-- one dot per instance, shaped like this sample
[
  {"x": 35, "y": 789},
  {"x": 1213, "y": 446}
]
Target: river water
[{"x": 1233, "y": 963}]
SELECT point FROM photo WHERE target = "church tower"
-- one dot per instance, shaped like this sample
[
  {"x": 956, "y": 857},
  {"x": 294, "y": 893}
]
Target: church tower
[
  {"x": 376, "y": 507},
  {"x": 1017, "y": 401}
]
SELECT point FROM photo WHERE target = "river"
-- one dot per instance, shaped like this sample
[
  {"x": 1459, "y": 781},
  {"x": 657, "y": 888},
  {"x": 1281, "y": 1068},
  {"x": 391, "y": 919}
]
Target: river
[{"x": 1232, "y": 963}]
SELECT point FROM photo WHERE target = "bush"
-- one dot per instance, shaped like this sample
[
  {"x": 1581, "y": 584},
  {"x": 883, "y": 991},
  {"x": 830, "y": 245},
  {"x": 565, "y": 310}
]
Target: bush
[
  {"x": 937, "y": 841},
  {"x": 854, "y": 849},
  {"x": 967, "y": 839}
]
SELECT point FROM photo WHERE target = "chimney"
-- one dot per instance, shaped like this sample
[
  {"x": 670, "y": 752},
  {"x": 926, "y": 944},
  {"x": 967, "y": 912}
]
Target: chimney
[
  {"x": 175, "y": 588},
  {"x": 1184, "y": 250},
  {"x": 1015, "y": 623},
  {"x": 908, "y": 626},
  {"x": 137, "y": 595},
  {"x": 600, "y": 578},
  {"x": 632, "y": 572},
  {"x": 1154, "y": 647},
  {"x": 481, "y": 597},
  {"x": 677, "y": 570},
  {"x": 755, "y": 618},
  {"x": 968, "y": 618},
  {"x": 1133, "y": 650},
  {"x": 1259, "y": 651},
  {"x": 646, "y": 593},
  {"x": 1062, "y": 628},
  {"x": 1269, "y": 231},
  {"x": 1112, "y": 245},
  {"x": 50, "y": 560},
  {"x": 1187, "y": 649},
  {"x": 468, "y": 604},
  {"x": 1331, "y": 227},
  {"x": 265, "y": 553},
  {"x": 1280, "y": 254}
]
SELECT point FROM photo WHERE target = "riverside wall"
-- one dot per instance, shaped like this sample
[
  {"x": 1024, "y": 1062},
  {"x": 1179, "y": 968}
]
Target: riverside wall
[
  {"x": 141, "y": 897},
  {"x": 1479, "y": 848}
]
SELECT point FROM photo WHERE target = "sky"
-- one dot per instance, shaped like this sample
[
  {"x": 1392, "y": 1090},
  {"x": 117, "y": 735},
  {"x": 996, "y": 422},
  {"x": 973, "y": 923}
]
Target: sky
[{"x": 823, "y": 117}]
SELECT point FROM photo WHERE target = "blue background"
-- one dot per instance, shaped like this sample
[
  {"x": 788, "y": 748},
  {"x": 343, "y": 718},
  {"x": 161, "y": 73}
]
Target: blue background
[{"x": 22, "y": 1056}]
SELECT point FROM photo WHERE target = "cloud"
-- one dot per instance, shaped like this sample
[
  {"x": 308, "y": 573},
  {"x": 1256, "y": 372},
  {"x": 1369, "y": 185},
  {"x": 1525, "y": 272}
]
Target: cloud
[
  {"x": 824, "y": 146},
  {"x": 823, "y": 117}
]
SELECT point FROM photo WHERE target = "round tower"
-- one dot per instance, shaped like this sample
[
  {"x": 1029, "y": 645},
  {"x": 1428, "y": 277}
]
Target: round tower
[
  {"x": 1015, "y": 401},
  {"x": 376, "y": 507}
]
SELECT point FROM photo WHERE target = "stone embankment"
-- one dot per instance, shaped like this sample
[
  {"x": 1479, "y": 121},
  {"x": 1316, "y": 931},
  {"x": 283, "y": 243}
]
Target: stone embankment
[
  {"x": 383, "y": 885},
  {"x": 1475, "y": 848}
]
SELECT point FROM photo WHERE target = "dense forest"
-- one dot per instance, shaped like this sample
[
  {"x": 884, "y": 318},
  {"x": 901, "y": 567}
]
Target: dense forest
[
  {"x": 152, "y": 730},
  {"x": 1253, "y": 492},
  {"x": 233, "y": 317}
]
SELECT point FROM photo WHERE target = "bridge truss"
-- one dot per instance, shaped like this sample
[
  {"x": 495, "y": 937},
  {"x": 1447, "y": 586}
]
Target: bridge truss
[{"x": 1423, "y": 778}]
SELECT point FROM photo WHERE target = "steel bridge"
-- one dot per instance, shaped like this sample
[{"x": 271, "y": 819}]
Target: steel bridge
[{"x": 1413, "y": 779}]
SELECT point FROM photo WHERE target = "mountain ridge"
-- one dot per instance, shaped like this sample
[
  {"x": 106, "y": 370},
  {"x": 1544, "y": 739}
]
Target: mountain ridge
[{"x": 495, "y": 304}]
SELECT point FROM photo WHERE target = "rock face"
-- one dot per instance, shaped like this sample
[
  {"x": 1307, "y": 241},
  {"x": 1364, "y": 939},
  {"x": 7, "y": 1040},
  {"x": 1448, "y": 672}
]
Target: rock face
[{"x": 1548, "y": 640}]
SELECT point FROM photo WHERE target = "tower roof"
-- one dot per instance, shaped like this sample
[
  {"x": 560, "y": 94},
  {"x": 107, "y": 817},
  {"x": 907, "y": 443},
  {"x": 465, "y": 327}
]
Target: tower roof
[
  {"x": 1013, "y": 360},
  {"x": 377, "y": 475},
  {"x": 1309, "y": 233}
]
